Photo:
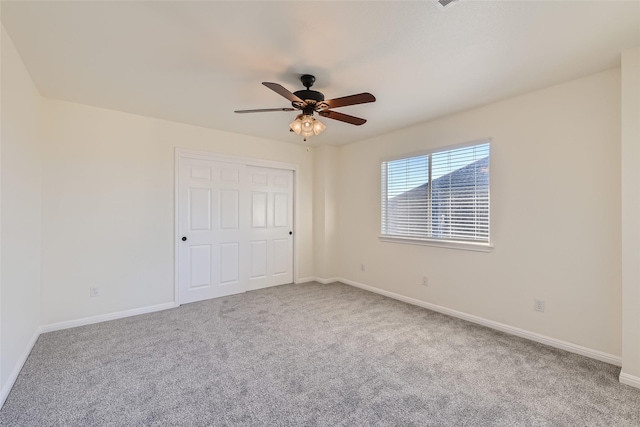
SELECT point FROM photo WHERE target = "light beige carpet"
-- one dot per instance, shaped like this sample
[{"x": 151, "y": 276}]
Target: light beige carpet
[{"x": 309, "y": 355}]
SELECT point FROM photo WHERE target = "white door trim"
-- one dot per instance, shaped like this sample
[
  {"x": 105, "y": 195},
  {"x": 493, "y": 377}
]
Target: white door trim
[{"x": 182, "y": 153}]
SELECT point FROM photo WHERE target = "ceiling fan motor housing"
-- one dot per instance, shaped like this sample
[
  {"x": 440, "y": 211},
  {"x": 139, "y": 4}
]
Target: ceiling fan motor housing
[
  {"x": 308, "y": 94},
  {"x": 313, "y": 95}
]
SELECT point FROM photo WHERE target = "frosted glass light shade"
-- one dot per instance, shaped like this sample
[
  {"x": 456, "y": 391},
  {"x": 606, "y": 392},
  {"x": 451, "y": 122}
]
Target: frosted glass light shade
[
  {"x": 296, "y": 125},
  {"x": 306, "y": 125},
  {"x": 318, "y": 127}
]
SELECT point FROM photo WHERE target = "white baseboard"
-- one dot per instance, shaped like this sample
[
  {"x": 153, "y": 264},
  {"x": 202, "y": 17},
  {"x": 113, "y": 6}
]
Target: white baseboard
[
  {"x": 631, "y": 380},
  {"x": 105, "y": 317},
  {"x": 553, "y": 342},
  {"x": 6, "y": 387},
  {"x": 318, "y": 279},
  {"x": 326, "y": 281}
]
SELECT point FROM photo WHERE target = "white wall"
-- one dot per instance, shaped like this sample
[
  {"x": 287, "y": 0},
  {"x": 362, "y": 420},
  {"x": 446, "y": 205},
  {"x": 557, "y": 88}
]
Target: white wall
[
  {"x": 631, "y": 214},
  {"x": 108, "y": 206},
  {"x": 555, "y": 215},
  {"x": 325, "y": 181},
  {"x": 20, "y": 224}
]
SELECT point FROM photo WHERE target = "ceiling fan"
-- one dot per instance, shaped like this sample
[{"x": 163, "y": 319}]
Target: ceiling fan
[{"x": 311, "y": 101}]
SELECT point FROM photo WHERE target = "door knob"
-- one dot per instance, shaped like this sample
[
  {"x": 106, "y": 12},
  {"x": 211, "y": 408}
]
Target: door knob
[
  {"x": 290, "y": 233},
  {"x": 184, "y": 238}
]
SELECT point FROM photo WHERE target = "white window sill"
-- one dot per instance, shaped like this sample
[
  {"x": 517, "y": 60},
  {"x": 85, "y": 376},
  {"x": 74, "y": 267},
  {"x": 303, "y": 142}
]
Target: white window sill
[{"x": 449, "y": 244}]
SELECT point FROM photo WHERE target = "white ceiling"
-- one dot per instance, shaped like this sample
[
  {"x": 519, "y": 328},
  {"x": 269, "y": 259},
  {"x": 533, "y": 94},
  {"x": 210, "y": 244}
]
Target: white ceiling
[{"x": 196, "y": 62}]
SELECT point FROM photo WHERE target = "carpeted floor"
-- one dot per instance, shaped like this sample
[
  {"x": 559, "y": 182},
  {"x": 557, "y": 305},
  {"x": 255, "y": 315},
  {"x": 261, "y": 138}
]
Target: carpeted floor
[{"x": 309, "y": 355}]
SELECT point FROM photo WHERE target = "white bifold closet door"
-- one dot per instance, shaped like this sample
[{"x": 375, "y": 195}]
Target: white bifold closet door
[{"x": 235, "y": 226}]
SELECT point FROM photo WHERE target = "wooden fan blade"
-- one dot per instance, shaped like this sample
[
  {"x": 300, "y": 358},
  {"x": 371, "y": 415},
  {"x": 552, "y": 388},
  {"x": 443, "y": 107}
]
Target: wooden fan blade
[
  {"x": 361, "y": 98},
  {"x": 264, "y": 110},
  {"x": 281, "y": 90},
  {"x": 342, "y": 117}
]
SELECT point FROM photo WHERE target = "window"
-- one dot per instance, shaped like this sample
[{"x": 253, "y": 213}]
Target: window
[{"x": 441, "y": 196}]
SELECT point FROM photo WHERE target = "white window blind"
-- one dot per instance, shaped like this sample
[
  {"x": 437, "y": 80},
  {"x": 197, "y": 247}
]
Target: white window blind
[{"x": 442, "y": 195}]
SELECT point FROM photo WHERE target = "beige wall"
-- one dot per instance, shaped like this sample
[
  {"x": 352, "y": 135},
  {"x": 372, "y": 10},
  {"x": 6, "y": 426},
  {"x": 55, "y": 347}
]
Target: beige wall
[
  {"x": 555, "y": 215},
  {"x": 20, "y": 224},
  {"x": 108, "y": 206},
  {"x": 631, "y": 213}
]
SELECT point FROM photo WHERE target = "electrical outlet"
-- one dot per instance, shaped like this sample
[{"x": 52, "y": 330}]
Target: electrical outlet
[
  {"x": 361, "y": 267},
  {"x": 425, "y": 281},
  {"x": 539, "y": 305},
  {"x": 94, "y": 292}
]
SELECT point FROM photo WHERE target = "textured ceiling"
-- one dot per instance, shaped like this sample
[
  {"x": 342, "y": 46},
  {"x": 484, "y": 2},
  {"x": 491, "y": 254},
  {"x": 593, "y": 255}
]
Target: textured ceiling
[{"x": 196, "y": 62}]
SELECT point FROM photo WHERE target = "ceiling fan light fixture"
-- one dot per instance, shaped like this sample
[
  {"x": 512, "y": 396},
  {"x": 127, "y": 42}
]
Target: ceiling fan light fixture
[{"x": 306, "y": 126}]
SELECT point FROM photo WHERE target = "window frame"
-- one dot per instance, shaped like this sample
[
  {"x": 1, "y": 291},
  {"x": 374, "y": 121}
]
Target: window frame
[{"x": 430, "y": 241}]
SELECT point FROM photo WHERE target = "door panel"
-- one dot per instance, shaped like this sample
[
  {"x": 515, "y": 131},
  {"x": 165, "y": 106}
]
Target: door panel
[
  {"x": 259, "y": 178},
  {"x": 281, "y": 210},
  {"x": 258, "y": 258},
  {"x": 280, "y": 256},
  {"x": 259, "y": 211},
  {"x": 229, "y": 263},
  {"x": 200, "y": 209},
  {"x": 229, "y": 209},
  {"x": 230, "y": 175},
  {"x": 200, "y": 266},
  {"x": 201, "y": 172},
  {"x": 281, "y": 181}
]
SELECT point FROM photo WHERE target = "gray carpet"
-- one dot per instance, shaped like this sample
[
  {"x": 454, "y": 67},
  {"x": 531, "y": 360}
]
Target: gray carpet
[{"x": 309, "y": 355}]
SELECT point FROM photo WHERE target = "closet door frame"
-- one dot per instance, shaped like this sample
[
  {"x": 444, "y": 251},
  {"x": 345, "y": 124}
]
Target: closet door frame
[{"x": 182, "y": 153}]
